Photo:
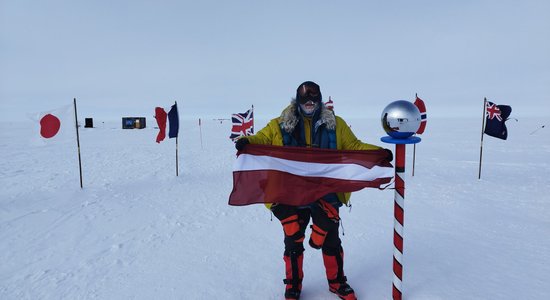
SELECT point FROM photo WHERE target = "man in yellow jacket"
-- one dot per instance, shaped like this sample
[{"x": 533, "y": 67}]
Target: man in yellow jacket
[{"x": 306, "y": 122}]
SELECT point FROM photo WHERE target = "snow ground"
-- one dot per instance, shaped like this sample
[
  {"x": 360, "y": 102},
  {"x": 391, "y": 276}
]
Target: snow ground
[{"x": 136, "y": 231}]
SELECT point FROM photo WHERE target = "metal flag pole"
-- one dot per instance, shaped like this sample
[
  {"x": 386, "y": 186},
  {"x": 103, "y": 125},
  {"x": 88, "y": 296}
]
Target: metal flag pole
[
  {"x": 482, "y": 131},
  {"x": 177, "y": 166},
  {"x": 252, "y": 118},
  {"x": 414, "y": 146},
  {"x": 78, "y": 142},
  {"x": 200, "y": 131}
]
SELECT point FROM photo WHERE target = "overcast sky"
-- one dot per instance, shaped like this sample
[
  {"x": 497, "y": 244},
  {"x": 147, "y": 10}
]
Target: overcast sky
[{"x": 123, "y": 58}]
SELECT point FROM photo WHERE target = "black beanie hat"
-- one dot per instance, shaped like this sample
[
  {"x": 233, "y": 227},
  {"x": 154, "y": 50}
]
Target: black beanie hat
[{"x": 307, "y": 91}]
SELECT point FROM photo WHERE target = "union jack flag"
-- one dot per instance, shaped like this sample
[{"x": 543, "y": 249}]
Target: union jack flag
[
  {"x": 493, "y": 111},
  {"x": 495, "y": 117},
  {"x": 243, "y": 124}
]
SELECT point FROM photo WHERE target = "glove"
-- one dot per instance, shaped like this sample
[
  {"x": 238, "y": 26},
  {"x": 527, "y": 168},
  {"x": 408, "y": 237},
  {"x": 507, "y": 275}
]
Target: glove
[
  {"x": 241, "y": 143},
  {"x": 389, "y": 156}
]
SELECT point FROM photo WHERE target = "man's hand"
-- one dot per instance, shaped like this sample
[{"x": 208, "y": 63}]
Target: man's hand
[{"x": 241, "y": 143}]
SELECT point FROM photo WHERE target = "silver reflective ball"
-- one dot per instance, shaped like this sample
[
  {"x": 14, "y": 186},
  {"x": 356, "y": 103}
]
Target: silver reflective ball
[{"x": 401, "y": 119}]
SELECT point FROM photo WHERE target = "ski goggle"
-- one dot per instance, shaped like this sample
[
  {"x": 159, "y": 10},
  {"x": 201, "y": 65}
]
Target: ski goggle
[{"x": 308, "y": 93}]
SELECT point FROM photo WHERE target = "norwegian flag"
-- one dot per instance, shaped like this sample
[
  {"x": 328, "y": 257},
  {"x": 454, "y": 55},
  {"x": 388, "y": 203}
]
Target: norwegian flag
[
  {"x": 423, "y": 117},
  {"x": 243, "y": 124},
  {"x": 495, "y": 117},
  {"x": 329, "y": 104}
]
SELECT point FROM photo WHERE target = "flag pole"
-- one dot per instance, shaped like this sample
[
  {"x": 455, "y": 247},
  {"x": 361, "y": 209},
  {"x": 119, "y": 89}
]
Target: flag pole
[
  {"x": 253, "y": 118},
  {"x": 77, "y": 141},
  {"x": 177, "y": 167},
  {"x": 200, "y": 131},
  {"x": 414, "y": 146},
  {"x": 482, "y": 130}
]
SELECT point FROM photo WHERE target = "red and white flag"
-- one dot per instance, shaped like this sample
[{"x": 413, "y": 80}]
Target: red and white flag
[
  {"x": 299, "y": 176},
  {"x": 56, "y": 125},
  {"x": 423, "y": 117},
  {"x": 329, "y": 104}
]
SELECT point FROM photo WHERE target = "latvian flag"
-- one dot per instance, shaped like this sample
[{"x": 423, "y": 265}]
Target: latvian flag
[
  {"x": 423, "y": 117},
  {"x": 243, "y": 124},
  {"x": 299, "y": 176},
  {"x": 173, "y": 122}
]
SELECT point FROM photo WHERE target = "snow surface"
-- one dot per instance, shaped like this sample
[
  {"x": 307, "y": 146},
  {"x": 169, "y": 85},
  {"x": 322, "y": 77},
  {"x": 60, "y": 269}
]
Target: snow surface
[{"x": 136, "y": 231}]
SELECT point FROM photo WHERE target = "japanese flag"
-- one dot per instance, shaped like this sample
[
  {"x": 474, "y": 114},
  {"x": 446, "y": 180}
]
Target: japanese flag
[{"x": 56, "y": 125}]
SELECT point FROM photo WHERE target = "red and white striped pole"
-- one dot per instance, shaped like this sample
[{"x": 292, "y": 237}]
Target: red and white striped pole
[
  {"x": 400, "y": 119},
  {"x": 398, "y": 222},
  {"x": 399, "y": 211}
]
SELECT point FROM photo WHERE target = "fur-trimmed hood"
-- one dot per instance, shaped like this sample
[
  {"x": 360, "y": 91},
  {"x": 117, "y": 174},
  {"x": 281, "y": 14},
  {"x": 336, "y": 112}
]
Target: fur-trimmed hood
[{"x": 290, "y": 117}]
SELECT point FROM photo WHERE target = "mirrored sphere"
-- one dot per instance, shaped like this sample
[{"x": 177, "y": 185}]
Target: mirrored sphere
[{"x": 401, "y": 119}]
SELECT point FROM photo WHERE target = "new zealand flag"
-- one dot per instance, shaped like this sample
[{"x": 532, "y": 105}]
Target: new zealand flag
[{"x": 495, "y": 118}]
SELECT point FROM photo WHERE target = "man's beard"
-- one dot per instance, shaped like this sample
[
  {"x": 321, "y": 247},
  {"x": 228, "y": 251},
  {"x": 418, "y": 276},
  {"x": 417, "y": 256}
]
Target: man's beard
[{"x": 309, "y": 108}]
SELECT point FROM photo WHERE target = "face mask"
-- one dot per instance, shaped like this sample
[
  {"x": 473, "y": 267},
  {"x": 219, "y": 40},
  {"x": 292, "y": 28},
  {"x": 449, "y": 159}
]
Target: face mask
[{"x": 309, "y": 108}]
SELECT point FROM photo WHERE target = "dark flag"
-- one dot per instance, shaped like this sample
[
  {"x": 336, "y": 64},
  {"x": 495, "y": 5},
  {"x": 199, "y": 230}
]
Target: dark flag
[
  {"x": 495, "y": 118},
  {"x": 174, "y": 121}
]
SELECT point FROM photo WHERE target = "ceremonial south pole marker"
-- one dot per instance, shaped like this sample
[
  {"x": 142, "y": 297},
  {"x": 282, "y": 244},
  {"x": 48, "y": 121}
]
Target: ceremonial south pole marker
[{"x": 400, "y": 119}]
